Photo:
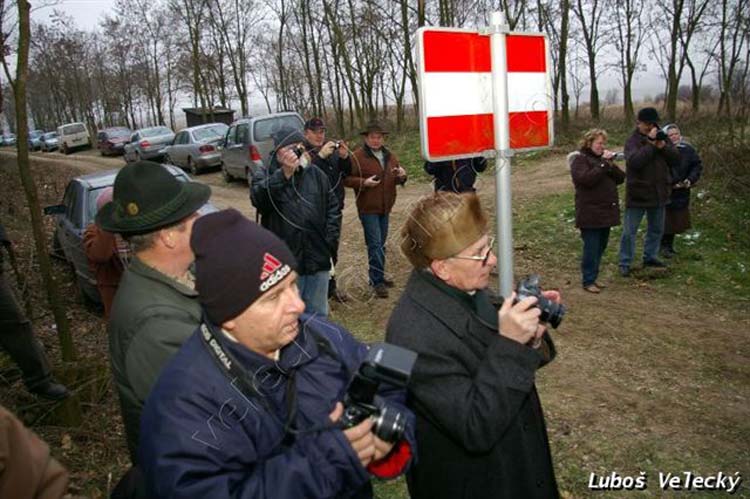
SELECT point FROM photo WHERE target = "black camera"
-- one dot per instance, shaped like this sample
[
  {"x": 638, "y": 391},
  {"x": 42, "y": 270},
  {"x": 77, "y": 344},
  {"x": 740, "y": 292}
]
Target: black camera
[
  {"x": 552, "y": 313},
  {"x": 660, "y": 135},
  {"x": 299, "y": 150},
  {"x": 336, "y": 144},
  {"x": 385, "y": 363}
]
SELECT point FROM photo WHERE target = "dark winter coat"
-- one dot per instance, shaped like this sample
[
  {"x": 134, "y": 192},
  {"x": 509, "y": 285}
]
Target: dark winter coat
[
  {"x": 202, "y": 438},
  {"x": 380, "y": 199},
  {"x": 336, "y": 169},
  {"x": 456, "y": 175},
  {"x": 596, "y": 180},
  {"x": 300, "y": 210},
  {"x": 152, "y": 316},
  {"x": 690, "y": 168},
  {"x": 480, "y": 428},
  {"x": 648, "y": 182}
]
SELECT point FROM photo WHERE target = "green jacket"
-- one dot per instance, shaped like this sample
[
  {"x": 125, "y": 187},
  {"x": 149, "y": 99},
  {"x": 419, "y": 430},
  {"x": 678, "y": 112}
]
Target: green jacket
[{"x": 152, "y": 315}]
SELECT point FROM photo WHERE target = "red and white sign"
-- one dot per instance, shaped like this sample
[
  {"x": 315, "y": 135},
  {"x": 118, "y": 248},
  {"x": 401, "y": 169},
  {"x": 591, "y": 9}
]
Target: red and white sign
[{"x": 456, "y": 92}]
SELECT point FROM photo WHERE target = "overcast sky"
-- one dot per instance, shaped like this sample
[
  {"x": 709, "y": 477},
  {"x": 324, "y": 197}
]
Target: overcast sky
[{"x": 88, "y": 14}]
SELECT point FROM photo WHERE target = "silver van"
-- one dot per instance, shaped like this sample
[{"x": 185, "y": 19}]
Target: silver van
[{"x": 249, "y": 141}]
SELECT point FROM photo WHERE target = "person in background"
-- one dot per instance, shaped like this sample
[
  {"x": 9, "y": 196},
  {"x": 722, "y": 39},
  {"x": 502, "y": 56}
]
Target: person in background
[
  {"x": 248, "y": 407},
  {"x": 457, "y": 175},
  {"x": 296, "y": 203},
  {"x": 18, "y": 340},
  {"x": 685, "y": 174},
  {"x": 648, "y": 158},
  {"x": 333, "y": 158},
  {"x": 480, "y": 427},
  {"x": 596, "y": 178},
  {"x": 108, "y": 255},
  {"x": 376, "y": 172},
  {"x": 27, "y": 470}
]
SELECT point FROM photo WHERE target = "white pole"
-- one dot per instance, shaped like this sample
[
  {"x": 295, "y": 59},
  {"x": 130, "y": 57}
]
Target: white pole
[{"x": 503, "y": 153}]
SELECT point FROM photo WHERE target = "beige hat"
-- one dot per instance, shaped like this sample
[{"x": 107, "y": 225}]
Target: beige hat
[{"x": 442, "y": 225}]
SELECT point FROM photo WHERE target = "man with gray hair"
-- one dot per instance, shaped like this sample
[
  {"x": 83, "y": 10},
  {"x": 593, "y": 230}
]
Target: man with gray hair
[{"x": 156, "y": 306}]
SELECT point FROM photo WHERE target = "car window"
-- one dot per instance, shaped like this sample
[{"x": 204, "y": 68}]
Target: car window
[
  {"x": 153, "y": 132},
  {"x": 208, "y": 133},
  {"x": 91, "y": 205},
  {"x": 119, "y": 132},
  {"x": 231, "y": 136},
  {"x": 265, "y": 128},
  {"x": 243, "y": 133},
  {"x": 51, "y": 135},
  {"x": 70, "y": 200},
  {"x": 74, "y": 128}
]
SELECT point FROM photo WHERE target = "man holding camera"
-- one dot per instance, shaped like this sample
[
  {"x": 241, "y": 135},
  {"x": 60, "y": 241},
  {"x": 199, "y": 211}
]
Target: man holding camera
[
  {"x": 480, "y": 427},
  {"x": 248, "y": 407},
  {"x": 332, "y": 157},
  {"x": 648, "y": 156},
  {"x": 296, "y": 203}
]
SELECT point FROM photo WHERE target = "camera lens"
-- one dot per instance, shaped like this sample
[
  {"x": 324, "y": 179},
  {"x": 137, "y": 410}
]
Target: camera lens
[
  {"x": 389, "y": 425},
  {"x": 552, "y": 313}
]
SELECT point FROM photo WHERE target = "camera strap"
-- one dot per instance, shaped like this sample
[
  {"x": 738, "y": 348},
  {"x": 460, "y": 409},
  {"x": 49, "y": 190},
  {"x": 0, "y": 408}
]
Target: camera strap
[{"x": 238, "y": 377}]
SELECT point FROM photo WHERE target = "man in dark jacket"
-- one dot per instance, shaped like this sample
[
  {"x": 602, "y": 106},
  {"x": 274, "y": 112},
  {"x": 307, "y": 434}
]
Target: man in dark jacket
[
  {"x": 480, "y": 428},
  {"x": 296, "y": 203},
  {"x": 457, "y": 175},
  {"x": 332, "y": 157},
  {"x": 156, "y": 307},
  {"x": 648, "y": 156},
  {"x": 247, "y": 408},
  {"x": 376, "y": 172},
  {"x": 18, "y": 340}
]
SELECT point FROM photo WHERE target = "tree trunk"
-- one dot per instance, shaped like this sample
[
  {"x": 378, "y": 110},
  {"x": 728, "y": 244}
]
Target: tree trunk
[{"x": 70, "y": 411}]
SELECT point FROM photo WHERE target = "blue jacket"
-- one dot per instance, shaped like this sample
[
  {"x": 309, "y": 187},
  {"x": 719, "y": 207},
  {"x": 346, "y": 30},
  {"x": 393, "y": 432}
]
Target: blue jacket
[{"x": 202, "y": 438}]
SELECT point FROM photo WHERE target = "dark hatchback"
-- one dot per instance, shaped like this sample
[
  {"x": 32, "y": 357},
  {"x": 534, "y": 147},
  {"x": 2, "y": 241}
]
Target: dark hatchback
[{"x": 111, "y": 141}]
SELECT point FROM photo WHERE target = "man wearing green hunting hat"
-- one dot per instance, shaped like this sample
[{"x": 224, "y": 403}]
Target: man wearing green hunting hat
[{"x": 156, "y": 306}]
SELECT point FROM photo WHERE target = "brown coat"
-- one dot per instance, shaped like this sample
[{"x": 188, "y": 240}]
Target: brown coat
[
  {"x": 101, "y": 252},
  {"x": 377, "y": 200},
  {"x": 27, "y": 471},
  {"x": 596, "y": 180}
]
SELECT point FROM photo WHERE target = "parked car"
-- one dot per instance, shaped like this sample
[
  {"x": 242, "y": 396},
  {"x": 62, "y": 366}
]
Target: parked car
[
  {"x": 35, "y": 139},
  {"x": 9, "y": 139},
  {"x": 148, "y": 143},
  {"x": 248, "y": 143},
  {"x": 111, "y": 141},
  {"x": 76, "y": 212},
  {"x": 48, "y": 141},
  {"x": 197, "y": 148},
  {"x": 73, "y": 136}
]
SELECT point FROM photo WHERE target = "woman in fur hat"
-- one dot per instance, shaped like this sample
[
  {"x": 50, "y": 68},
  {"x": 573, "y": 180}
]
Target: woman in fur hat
[{"x": 480, "y": 428}]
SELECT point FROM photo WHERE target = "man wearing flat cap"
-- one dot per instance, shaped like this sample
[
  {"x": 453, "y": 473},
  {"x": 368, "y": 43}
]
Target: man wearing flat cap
[
  {"x": 648, "y": 156},
  {"x": 156, "y": 305},
  {"x": 248, "y": 406},
  {"x": 376, "y": 172},
  {"x": 296, "y": 203}
]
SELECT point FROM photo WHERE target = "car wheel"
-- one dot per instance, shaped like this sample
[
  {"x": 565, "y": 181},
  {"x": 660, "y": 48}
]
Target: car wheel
[
  {"x": 168, "y": 160},
  {"x": 225, "y": 174},
  {"x": 64, "y": 149},
  {"x": 193, "y": 167}
]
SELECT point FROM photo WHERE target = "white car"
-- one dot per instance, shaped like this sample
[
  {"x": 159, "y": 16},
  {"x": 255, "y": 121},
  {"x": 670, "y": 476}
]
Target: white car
[{"x": 73, "y": 136}]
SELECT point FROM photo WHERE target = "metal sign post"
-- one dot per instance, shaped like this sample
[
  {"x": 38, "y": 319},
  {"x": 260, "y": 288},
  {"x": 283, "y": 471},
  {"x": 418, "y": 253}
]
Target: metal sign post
[{"x": 503, "y": 203}]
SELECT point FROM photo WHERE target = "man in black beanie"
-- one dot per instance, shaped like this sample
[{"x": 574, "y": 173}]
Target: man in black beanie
[
  {"x": 648, "y": 156},
  {"x": 249, "y": 401},
  {"x": 296, "y": 203}
]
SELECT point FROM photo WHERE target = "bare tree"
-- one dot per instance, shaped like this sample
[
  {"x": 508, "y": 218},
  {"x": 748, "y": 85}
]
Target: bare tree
[
  {"x": 629, "y": 34},
  {"x": 589, "y": 16}
]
